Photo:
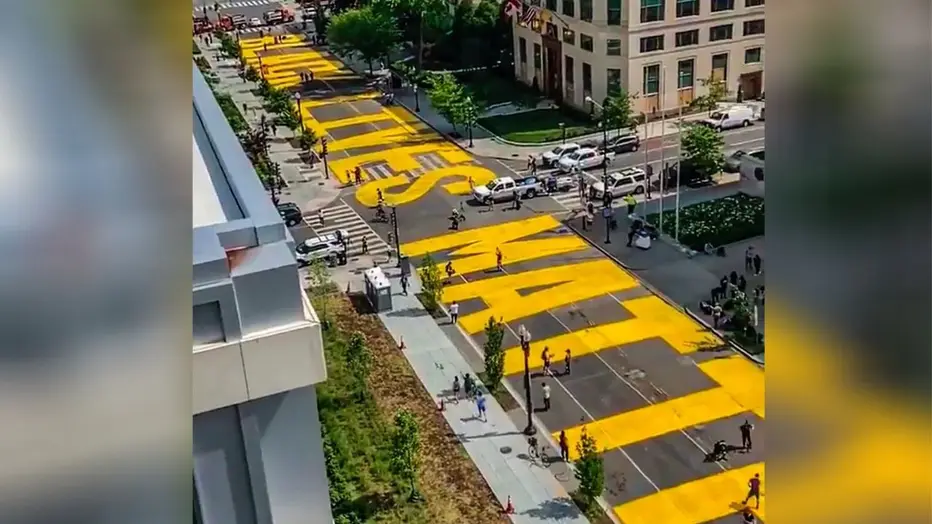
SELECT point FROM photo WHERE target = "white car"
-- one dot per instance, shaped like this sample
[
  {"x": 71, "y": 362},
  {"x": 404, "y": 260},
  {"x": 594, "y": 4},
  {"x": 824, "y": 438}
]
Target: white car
[
  {"x": 550, "y": 158},
  {"x": 255, "y": 22},
  {"x": 330, "y": 247},
  {"x": 498, "y": 190},
  {"x": 628, "y": 181},
  {"x": 584, "y": 158}
]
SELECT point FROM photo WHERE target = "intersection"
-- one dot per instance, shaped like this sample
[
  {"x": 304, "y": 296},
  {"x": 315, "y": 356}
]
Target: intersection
[{"x": 652, "y": 386}]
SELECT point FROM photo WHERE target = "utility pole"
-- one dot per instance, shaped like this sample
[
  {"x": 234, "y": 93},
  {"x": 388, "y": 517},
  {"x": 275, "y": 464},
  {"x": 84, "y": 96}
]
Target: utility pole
[
  {"x": 525, "y": 338},
  {"x": 323, "y": 154}
]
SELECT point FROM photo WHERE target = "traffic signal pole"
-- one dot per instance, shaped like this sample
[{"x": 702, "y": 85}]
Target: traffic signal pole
[
  {"x": 397, "y": 240},
  {"x": 323, "y": 154}
]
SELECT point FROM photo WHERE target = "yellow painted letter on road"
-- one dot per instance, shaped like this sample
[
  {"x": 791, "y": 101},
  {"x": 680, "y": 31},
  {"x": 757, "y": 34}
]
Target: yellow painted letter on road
[
  {"x": 475, "y": 248},
  {"x": 654, "y": 318},
  {"x": 398, "y": 159},
  {"x": 702, "y": 500},
  {"x": 367, "y": 194},
  {"x": 742, "y": 379},
  {"x": 568, "y": 284}
]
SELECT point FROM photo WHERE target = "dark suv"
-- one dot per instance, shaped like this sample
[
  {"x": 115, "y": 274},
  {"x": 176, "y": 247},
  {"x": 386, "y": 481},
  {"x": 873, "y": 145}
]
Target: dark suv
[
  {"x": 291, "y": 213},
  {"x": 618, "y": 144}
]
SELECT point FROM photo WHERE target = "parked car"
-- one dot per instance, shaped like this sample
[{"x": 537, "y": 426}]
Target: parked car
[
  {"x": 498, "y": 190},
  {"x": 550, "y": 158},
  {"x": 584, "y": 158},
  {"x": 628, "y": 181},
  {"x": 752, "y": 166},
  {"x": 733, "y": 162},
  {"x": 623, "y": 143},
  {"x": 290, "y": 213},
  {"x": 730, "y": 117},
  {"x": 330, "y": 247}
]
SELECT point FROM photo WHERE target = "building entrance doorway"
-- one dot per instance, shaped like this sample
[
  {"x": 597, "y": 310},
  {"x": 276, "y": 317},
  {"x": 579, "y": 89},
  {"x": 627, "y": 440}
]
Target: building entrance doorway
[{"x": 553, "y": 66}]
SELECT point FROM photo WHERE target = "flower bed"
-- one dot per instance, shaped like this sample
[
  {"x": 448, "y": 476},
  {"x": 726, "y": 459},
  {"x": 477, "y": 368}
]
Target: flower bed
[{"x": 718, "y": 222}]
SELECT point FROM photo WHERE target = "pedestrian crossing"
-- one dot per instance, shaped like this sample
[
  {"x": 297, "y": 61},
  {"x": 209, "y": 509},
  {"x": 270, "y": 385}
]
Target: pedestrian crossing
[
  {"x": 246, "y": 3},
  {"x": 251, "y": 29},
  {"x": 342, "y": 216},
  {"x": 428, "y": 162}
]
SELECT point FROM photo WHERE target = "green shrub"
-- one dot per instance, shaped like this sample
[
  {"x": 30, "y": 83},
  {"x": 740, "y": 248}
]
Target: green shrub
[
  {"x": 231, "y": 112},
  {"x": 718, "y": 222}
]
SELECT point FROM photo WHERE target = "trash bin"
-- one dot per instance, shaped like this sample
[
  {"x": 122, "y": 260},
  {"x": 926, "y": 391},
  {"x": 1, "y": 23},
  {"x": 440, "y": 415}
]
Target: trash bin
[{"x": 378, "y": 289}]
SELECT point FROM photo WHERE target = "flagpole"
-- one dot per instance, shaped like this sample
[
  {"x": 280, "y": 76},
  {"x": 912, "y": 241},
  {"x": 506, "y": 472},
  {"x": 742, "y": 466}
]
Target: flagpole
[
  {"x": 663, "y": 130},
  {"x": 679, "y": 154}
]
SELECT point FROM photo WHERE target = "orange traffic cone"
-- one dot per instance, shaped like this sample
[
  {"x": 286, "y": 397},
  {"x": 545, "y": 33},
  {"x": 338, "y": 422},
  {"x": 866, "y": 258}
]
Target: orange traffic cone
[
  {"x": 402, "y": 344},
  {"x": 509, "y": 507}
]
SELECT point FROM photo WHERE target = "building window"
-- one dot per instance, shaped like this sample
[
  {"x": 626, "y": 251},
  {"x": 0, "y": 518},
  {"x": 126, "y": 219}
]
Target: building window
[
  {"x": 720, "y": 67},
  {"x": 522, "y": 49},
  {"x": 723, "y": 5},
  {"x": 551, "y": 5},
  {"x": 569, "y": 36},
  {"x": 569, "y": 7},
  {"x": 687, "y": 8},
  {"x": 752, "y": 55},
  {"x": 754, "y": 27},
  {"x": 613, "y": 47},
  {"x": 685, "y": 73},
  {"x": 585, "y": 10},
  {"x": 753, "y": 3},
  {"x": 650, "y": 44},
  {"x": 651, "y": 79},
  {"x": 720, "y": 32},
  {"x": 585, "y": 42},
  {"x": 651, "y": 11},
  {"x": 536, "y": 56},
  {"x": 568, "y": 75},
  {"x": 613, "y": 81},
  {"x": 587, "y": 78},
  {"x": 614, "y": 12},
  {"x": 687, "y": 38}
]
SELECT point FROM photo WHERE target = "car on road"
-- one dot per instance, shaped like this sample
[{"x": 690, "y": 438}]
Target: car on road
[
  {"x": 628, "y": 181},
  {"x": 256, "y": 22},
  {"x": 290, "y": 213},
  {"x": 503, "y": 189},
  {"x": 733, "y": 161},
  {"x": 623, "y": 143},
  {"x": 752, "y": 166},
  {"x": 584, "y": 158},
  {"x": 730, "y": 117},
  {"x": 331, "y": 248},
  {"x": 550, "y": 158}
]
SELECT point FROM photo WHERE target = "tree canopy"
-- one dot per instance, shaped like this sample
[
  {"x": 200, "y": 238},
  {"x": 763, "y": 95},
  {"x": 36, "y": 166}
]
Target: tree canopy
[
  {"x": 367, "y": 32},
  {"x": 616, "y": 110},
  {"x": 419, "y": 20},
  {"x": 703, "y": 147}
]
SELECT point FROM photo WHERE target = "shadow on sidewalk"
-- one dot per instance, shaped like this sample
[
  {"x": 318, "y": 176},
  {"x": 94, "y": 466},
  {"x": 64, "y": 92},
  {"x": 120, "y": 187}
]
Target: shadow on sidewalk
[{"x": 556, "y": 509}]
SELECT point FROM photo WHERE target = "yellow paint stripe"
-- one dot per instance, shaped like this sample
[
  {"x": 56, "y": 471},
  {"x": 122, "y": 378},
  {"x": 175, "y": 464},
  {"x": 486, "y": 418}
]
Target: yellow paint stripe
[
  {"x": 654, "y": 318},
  {"x": 657, "y": 419},
  {"x": 710, "y": 498},
  {"x": 356, "y": 120},
  {"x": 570, "y": 283},
  {"x": 743, "y": 380},
  {"x": 367, "y": 194},
  {"x": 392, "y": 136},
  {"x": 341, "y": 99}
]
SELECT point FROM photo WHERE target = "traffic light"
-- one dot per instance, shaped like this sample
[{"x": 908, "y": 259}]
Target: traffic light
[{"x": 323, "y": 146}]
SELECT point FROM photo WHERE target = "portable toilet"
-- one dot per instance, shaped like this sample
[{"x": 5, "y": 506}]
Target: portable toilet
[{"x": 378, "y": 289}]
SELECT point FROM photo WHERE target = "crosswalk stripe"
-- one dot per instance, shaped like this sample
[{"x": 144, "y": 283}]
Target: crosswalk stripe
[{"x": 342, "y": 216}]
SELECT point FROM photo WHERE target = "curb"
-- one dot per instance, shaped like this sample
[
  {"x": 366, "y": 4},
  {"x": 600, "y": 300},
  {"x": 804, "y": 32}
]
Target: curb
[{"x": 650, "y": 287}]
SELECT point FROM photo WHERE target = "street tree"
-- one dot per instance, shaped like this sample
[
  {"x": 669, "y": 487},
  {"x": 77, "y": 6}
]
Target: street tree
[
  {"x": 251, "y": 74},
  {"x": 447, "y": 97},
  {"x": 289, "y": 118},
  {"x": 420, "y": 20},
  {"x": 359, "y": 361},
  {"x": 406, "y": 446},
  {"x": 617, "y": 110},
  {"x": 431, "y": 282},
  {"x": 703, "y": 151},
  {"x": 494, "y": 353},
  {"x": 716, "y": 91},
  {"x": 590, "y": 470},
  {"x": 367, "y": 33},
  {"x": 307, "y": 139}
]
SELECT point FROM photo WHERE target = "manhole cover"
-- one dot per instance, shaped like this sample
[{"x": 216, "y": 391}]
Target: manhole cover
[{"x": 505, "y": 450}]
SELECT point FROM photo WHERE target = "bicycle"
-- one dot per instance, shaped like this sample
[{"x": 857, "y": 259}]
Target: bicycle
[{"x": 536, "y": 452}]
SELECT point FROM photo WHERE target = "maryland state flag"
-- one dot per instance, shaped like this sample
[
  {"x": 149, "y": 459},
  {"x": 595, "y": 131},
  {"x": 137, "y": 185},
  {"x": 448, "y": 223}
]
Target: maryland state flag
[{"x": 510, "y": 8}]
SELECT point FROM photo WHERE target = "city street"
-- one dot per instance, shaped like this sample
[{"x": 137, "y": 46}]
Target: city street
[{"x": 652, "y": 386}]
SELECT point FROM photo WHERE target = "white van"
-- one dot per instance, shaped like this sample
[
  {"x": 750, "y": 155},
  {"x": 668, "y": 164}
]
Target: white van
[{"x": 730, "y": 117}]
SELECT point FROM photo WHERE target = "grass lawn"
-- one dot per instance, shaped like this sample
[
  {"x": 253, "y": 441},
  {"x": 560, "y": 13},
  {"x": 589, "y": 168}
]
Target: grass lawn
[
  {"x": 490, "y": 89},
  {"x": 718, "y": 222},
  {"x": 538, "y": 126},
  {"x": 357, "y": 431}
]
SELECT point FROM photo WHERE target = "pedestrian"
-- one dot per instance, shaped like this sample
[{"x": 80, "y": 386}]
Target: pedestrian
[
  {"x": 456, "y": 389},
  {"x": 749, "y": 258},
  {"x": 498, "y": 259},
  {"x": 564, "y": 447},
  {"x": 742, "y": 283},
  {"x": 631, "y": 232},
  {"x": 454, "y": 312},
  {"x": 245, "y": 109},
  {"x": 632, "y": 203},
  {"x": 545, "y": 356},
  {"x": 716, "y": 315},
  {"x": 585, "y": 221},
  {"x": 567, "y": 359},
  {"x": 365, "y": 246},
  {"x": 320, "y": 217},
  {"x": 274, "y": 129},
  {"x": 462, "y": 209},
  {"x": 265, "y": 46},
  {"x": 733, "y": 278},
  {"x": 490, "y": 203},
  {"x": 754, "y": 491},
  {"x": 530, "y": 163},
  {"x": 480, "y": 403},
  {"x": 546, "y": 390},
  {"x": 757, "y": 264},
  {"x": 449, "y": 269},
  {"x": 468, "y": 386},
  {"x": 746, "y": 435},
  {"x": 516, "y": 203},
  {"x": 404, "y": 284},
  {"x": 358, "y": 174},
  {"x": 378, "y": 193},
  {"x": 723, "y": 286}
]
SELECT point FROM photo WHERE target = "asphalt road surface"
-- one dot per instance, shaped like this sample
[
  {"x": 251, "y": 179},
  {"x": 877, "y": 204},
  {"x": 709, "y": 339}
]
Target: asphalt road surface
[{"x": 652, "y": 386}]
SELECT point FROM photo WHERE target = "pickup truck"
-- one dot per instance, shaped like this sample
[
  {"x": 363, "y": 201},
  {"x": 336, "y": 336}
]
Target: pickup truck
[{"x": 503, "y": 189}]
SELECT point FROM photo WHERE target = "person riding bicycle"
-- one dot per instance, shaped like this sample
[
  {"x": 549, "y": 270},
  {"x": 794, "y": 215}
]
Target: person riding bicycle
[
  {"x": 719, "y": 450},
  {"x": 380, "y": 212}
]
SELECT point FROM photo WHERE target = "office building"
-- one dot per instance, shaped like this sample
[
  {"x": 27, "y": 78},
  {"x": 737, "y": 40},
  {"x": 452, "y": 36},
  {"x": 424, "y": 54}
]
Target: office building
[
  {"x": 257, "y": 351},
  {"x": 572, "y": 49}
]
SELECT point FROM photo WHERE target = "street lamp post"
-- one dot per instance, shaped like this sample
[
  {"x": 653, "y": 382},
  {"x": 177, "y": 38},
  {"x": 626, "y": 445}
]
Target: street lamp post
[
  {"x": 297, "y": 99},
  {"x": 606, "y": 194},
  {"x": 563, "y": 131},
  {"x": 470, "y": 116},
  {"x": 525, "y": 338},
  {"x": 417, "y": 101},
  {"x": 397, "y": 239}
]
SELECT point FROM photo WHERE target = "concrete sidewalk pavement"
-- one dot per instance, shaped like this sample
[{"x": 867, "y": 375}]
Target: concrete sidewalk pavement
[{"x": 496, "y": 445}]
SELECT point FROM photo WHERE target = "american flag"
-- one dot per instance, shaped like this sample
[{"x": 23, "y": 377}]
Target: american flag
[
  {"x": 530, "y": 13},
  {"x": 512, "y": 7}
]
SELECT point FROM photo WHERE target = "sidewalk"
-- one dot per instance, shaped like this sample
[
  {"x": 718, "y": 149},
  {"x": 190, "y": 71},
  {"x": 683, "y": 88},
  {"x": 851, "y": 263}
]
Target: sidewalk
[{"x": 495, "y": 446}]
